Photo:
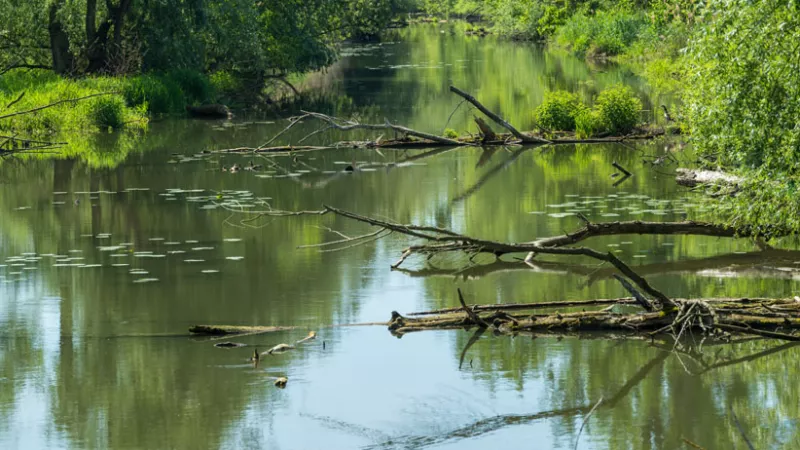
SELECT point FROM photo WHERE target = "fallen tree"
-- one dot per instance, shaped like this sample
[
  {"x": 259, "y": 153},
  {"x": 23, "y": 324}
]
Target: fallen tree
[
  {"x": 717, "y": 317},
  {"x": 662, "y": 314},
  {"x": 411, "y": 138}
]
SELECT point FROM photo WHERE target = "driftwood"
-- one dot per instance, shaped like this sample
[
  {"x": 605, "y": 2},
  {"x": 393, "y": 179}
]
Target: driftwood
[
  {"x": 761, "y": 264},
  {"x": 692, "y": 178},
  {"x": 442, "y": 240}
]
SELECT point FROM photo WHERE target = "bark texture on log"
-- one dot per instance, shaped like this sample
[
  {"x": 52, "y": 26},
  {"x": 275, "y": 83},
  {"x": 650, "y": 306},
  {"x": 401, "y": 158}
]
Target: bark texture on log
[{"x": 693, "y": 177}]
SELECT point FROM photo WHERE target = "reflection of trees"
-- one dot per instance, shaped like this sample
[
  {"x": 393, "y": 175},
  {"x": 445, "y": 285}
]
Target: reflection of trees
[
  {"x": 640, "y": 384},
  {"x": 111, "y": 388}
]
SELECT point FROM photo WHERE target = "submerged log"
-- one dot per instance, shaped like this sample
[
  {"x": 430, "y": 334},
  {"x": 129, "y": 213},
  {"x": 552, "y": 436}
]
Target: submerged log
[
  {"x": 213, "y": 111},
  {"x": 221, "y": 330}
]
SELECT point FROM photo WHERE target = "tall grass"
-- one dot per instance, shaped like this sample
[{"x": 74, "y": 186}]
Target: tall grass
[
  {"x": 126, "y": 101},
  {"x": 607, "y": 33}
]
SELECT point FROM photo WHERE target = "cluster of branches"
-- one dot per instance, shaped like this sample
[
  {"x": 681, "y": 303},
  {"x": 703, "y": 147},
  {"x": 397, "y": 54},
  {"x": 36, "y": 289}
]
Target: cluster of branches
[{"x": 661, "y": 313}]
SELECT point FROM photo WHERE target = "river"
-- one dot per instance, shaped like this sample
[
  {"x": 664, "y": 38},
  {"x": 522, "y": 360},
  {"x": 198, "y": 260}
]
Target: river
[{"x": 106, "y": 259}]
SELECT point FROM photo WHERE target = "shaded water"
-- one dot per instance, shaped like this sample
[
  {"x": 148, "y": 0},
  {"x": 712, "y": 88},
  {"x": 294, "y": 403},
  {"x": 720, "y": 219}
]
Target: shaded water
[{"x": 97, "y": 295}]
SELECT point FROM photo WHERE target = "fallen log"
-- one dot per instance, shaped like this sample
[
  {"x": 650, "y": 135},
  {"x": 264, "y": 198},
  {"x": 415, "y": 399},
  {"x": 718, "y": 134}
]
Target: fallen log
[
  {"x": 528, "y": 306},
  {"x": 696, "y": 177},
  {"x": 745, "y": 316}
]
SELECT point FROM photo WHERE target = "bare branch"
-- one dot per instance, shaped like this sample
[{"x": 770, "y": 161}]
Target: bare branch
[
  {"x": 498, "y": 119},
  {"x": 345, "y": 125}
]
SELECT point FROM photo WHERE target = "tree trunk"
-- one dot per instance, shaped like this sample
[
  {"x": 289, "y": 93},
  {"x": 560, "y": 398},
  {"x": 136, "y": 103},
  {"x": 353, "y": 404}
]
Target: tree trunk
[{"x": 63, "y": 60}]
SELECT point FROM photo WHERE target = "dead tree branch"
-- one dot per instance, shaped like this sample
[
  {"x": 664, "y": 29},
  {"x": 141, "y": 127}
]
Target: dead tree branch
[
  {"x": 639, "y": 227},
  {"x": 348, "y": 125},
  {"x": 443, "y": 240},
  {"x": 499, "y": 120}
]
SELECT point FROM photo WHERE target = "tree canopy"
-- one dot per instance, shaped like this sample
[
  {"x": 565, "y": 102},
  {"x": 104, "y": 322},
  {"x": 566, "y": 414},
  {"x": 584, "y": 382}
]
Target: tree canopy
[{"x": 129, "y": 36}]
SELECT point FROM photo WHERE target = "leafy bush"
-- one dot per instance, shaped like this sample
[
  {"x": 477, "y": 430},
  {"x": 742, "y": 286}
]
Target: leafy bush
[
  {"x": 161, "y": 95},
  {"x": 618, "y": 109},
  {"x": 743, "y": 105},
  {"x": 225, "y": 85},
  {"x": 196, "y": 87},
  {"x": 587, "y": 124},
  {"x": 450, "y": 133},
  {"x": 558, "y": 111},
  {"x": 107, "y": 112}
]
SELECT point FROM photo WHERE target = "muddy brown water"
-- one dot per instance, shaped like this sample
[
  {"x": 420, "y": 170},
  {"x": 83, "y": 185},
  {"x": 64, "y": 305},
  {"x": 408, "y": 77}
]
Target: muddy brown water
[{"x": 107, "y": 258}]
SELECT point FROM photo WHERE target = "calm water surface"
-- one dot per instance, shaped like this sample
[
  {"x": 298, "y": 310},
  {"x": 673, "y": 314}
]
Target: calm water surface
[{"x": 107, "y": 259}]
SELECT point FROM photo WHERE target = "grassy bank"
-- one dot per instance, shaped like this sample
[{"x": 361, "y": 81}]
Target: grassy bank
[{"x": 109, "y": 102}]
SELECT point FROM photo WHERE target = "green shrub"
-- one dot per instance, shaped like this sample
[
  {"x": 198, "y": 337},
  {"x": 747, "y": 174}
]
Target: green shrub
[
  {"x": 450, "y": 133},
  {"x": 161, "y": 95},
  {"x": 558, "y": 111},
  {"x": 196, "y": 87},
  {"x": 225, "y": 85},
  {"x": 588, "y": 123},
  {"x": 607, "y": 32},
  {"x": 618, "y": 109},
  {"x": 107, "y": 112}
]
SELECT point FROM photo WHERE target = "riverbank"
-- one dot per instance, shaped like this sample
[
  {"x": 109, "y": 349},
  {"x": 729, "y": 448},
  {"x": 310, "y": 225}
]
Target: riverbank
[{"x": 102, "y": 103}]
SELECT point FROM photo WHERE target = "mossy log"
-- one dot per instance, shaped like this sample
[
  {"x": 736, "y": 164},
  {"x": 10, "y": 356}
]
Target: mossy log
[
  {"x": 221, "y": 330},
  {"x": 749, "y": 316}
]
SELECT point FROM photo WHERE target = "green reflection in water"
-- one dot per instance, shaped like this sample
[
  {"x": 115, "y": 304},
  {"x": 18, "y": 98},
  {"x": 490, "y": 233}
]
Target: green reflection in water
[{"x": 91, "y": 359}]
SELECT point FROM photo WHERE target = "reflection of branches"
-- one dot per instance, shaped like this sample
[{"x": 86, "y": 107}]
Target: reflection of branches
[
  {"x": 495, "y": 423},
  {"x": 738, "y": 264},
  {"x": 488, "y": 175},
  {"x": 472, "y": 340},
  {"x": 753, "y": 357}
]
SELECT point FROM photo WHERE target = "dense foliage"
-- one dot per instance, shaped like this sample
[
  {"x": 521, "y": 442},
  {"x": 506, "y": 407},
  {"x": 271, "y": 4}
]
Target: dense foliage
[
  {"x": 558, "y": 111},
  {"x": 743, "y": 105},
  {"x": 616, "y": 110},
  {"x": 130, "y": 36}
]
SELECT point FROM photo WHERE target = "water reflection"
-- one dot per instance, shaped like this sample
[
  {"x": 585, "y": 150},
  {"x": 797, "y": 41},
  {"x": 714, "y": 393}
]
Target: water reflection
[{"x": 91, "y": 359}]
